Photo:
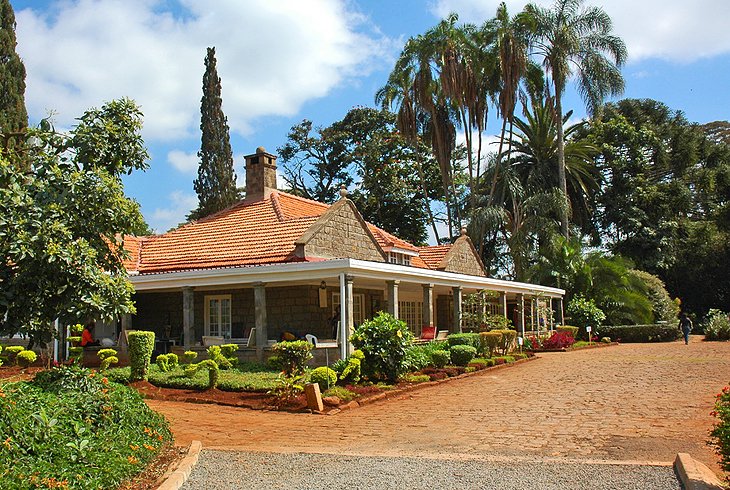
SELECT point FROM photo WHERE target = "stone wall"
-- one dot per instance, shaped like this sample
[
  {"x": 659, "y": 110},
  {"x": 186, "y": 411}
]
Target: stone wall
[
  {"x": 462, "y": 259},
  {"x": 340, "y": 234},
  {"x": 155, "y": 310}
]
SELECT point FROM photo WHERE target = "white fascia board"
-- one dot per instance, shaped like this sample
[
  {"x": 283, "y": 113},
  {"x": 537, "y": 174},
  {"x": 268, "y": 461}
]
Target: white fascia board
[
  {"x": 403, "y": 251},
  {"x": 377, "y": 270},
  {"x": 302, "y": 271},
  {"x": 297, "y": 271}
]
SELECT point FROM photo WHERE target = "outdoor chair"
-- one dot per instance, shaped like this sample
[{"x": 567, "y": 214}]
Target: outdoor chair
[
  {"x": 251, "y": 340},
  {"x": 209, "y": 340},
  {"x": 442, "y": 335},
  {"x": 428, "y": 333}
]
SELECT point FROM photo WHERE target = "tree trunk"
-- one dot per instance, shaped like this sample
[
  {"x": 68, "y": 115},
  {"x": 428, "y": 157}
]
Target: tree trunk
[{"x": 561, "y": 164}]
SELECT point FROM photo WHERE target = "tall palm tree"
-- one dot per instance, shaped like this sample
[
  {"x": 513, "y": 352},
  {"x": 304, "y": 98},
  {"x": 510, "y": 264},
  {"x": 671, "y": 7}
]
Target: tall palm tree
[{"x": 574, "y": 40}]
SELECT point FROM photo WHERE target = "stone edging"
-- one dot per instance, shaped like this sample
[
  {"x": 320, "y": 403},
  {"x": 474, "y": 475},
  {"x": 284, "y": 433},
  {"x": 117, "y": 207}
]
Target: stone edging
[
  {"x": 175, "y": 478},
  {"x": 392, "y": 393},
  {"x": 695, "y": 475}
]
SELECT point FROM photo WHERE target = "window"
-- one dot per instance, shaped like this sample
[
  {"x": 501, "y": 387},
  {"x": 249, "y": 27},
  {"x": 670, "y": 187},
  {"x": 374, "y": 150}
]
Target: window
[
  {"x": 358, "y": 307},
  {"x": 411, "y": 312},
  {"x": 218, "y": 315},
  {"x": 398, "y": 258}
]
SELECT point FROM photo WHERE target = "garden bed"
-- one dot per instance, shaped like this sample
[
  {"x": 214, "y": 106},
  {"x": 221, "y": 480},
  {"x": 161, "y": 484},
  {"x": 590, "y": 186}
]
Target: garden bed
[{"x": 594, "y": 345}]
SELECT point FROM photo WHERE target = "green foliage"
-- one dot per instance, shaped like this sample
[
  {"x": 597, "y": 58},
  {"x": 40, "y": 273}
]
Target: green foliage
[
  {"x": 172, "y": 360},
  {"x": 479, "y": 361},
  {"x": 105, "y": 353},
  {"x": 440, "y": 358},
  {"x": 212, "y": 368},
  {"x": 342, "y": 393},
  {"x": 641, "y": 333},
  {"x": 25, "y": 358},
  {"x": 74, "y": 340},
  {"x": 507, "y": 341},
  {"x": 76, "y": 329},
  {"x": 358, "y": 354},
  {"x": 162, "y": 363},
  {"x": 489, "y": 342},
  {"x": 416, "y": 378},
  {"x": 471, "y": 339},
  {"x": 293, "y": 356},
  {"x": 13, "y": 116},
  {"x": 664, "y": 308},
  {"x": 67, "y": 424},
  {"x": 417, "y": 357},
  {"x": 287, "y": 388},
  {"x": 273, "y": 363},
  {"x": 12, "y": 352},
  {"x": 352, "y": 371},
  {"x": 141, "y": 345},
  {"x": 504, "y": 359},
  {"x": 216, "y": 181},
  {"x": 720, "y": 433},
  {"x": 215, "y": 354},
  {"x": 573, "y": 331},
  {"x": 462, "y": 354},
  {"x": 250, "y": 378},
  {"x": 605, "y": 340},
  {"x": 76, "y": 354},
  {"x": 384, "y": 342},
  {"x": 52, "y": 217},
  {"x": 229, "y": 350},
  {"x": 584, "y": 313},
  {"x": 189, "y": 356},
  {"x": 108, "y": 362},
  {"x": 324, "y": 377},
  {"x": 717, "y": 325}
]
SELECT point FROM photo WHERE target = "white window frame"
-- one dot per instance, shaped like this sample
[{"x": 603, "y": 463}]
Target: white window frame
[
  {"x": 224, "y": 330},
  {"x": 358, "y": 307},
  {"x": 411, "y": 312}
]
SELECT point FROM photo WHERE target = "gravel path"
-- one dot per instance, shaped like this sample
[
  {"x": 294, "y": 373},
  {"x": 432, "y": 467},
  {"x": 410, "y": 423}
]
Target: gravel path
[{"x": 256, "y": 470}]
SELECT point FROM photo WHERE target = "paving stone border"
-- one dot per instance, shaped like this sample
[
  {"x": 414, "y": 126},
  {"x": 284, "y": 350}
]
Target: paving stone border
[
  {"x": 175, "y": 477},
  {"x": 695, "y": 475}
]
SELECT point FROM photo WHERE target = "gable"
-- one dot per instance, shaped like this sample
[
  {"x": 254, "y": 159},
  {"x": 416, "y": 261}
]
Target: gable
[
  {"x": 462, "y": 258},
  {"x": 340, "y": 233}
]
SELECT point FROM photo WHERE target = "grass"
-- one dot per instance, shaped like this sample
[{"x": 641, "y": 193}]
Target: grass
[{"x": 247, "y": 377}]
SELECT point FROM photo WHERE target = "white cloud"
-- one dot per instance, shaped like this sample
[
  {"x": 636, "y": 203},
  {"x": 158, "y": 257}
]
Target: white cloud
[
  {"x": 186, "y": 163},
  {"x": 675, "y": 30},
  {"x": 162, "y": 219},
  {"x": 272, "y": 57}
]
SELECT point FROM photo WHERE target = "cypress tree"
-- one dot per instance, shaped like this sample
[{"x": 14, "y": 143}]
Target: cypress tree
[
  {"x": 13, "y": 115},
  {"x": 216, "y": 182}
]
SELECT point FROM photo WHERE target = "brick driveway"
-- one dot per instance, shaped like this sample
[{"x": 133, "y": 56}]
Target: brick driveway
[{"x": 633, "y": 402}]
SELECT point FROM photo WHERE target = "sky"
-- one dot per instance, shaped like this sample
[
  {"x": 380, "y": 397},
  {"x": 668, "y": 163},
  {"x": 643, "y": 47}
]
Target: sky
[{"x": 287, "y": 60}]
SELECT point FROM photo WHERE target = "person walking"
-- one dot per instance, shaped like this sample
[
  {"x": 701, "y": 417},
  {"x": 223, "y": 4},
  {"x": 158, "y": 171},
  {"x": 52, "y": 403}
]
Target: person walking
[{"x": 685, "y": 325}]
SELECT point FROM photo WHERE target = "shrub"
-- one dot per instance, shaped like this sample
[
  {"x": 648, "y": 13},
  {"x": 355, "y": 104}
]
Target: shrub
[
  {"x": 25, "y": 358},
  {"x": 471, "y": 339},
  {"x": 141, "y": 345},
  {"x": 720, "y": 433},
  {"x": 606, "y": 340},
  {"x": 416, "y": 378},
  {"x": 229, "y": 352},
  {"x": 189, "y": 356},
  {"x": 642, "y": 333},
  {"x": 496, "y": 322},
  {"x": 1, "y": 349},
  {"x": 75, "y": 354},
  {"x": 215, "y": 354},
  {"x": 584, "y": 313},
  {"x": 173, "y": 360},
  {"x": 717, "y": 325},
  {"x": 76, "y": 329},
  {"x": 106, "y": 353},
  {"x": 440, "y": 358},
  {"x": 384, "y": 341},
  {"x": 352, "y": 370},
  {"x": 324, "y": 377},
  {"x": 559, "y": 340},
  {"x": 212, "y": 368},
  {"x": 573, "y": 331},
  {"x": 88, "y": 434},
  {"x": 162, "y": 363},
  {"x": 664, "y": 308},
  {"x": 74, "y": 340},
  {"x": 507, "y": 341},
  {"x": 417, "y": 357},
  {"x": 532, "y": 343},
  {"x": 519, "y": 355},
  {"x": 12, "y": 352},
  {"x": 293, "y": 356},
  {"x": 489, "y": 342},
  {"x": 287, "y": 387},
  {"x": 462, "y": 354},
  {"x": 504, "y": 359},
  {"x": 479, "y": 362}
]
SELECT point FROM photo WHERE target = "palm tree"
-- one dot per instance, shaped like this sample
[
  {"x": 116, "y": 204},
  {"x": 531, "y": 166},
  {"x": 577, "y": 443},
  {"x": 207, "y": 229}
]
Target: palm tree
[{"x": 575, "y": 40}]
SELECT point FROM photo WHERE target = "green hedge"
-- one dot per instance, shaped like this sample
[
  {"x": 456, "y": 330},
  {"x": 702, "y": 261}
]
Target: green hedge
[
  {"x": 471, "y": 339},
  {"x": 640, "y": 333},
  {"x": 462, "y": 354},
  {"x": 141, "y": 345}
]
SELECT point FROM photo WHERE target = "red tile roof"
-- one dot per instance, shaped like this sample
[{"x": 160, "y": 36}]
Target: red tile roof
[
  {"x": 245, "y": 234},
  {"x": 433, "y": 256}
]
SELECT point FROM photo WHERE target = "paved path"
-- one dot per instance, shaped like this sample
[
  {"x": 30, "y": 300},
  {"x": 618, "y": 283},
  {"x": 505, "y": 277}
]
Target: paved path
[{"x": 633, "y": 402}]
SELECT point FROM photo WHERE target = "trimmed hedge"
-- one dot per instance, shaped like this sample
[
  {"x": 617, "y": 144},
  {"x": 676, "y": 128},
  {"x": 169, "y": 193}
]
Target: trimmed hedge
[
  {"x": 641, "y": 333},
  {"x": 471, "y": 339},
  {"x": 462, "y": 354},
  {"x": 489, "y": 342},
  {"x": 567, "y": 328},
  {"x": 440, "y": 358},
  {"x": 325, "y": 377},
  {"x": 141, "y": 345}
]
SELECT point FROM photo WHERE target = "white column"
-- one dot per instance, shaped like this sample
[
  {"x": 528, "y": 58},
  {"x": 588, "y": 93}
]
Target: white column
[
  {"x": 427, "y": 305},
  {"x": 503, "y": 303},
  {"x": 393, "y": 297},
  {"x": 350, "y": 312},
  {"x": 521, "y": 316},
  {"x": 344, "y": 336},
  {"x": 259, "y": 301},
  {"x": 457, "y": 309},
  {"x": 188, "y": 316}
]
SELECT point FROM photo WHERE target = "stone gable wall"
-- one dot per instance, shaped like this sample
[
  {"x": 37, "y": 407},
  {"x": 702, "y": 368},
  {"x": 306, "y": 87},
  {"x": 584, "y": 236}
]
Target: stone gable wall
[
  {"x": 343, "y": 236},
  {"x": 461, "y": 259}
]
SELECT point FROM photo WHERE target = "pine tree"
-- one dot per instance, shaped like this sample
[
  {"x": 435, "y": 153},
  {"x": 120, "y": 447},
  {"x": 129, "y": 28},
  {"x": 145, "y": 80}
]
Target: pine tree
[
  {"x": 13, "y": 116},
  {"x": 216, "y": 182}
]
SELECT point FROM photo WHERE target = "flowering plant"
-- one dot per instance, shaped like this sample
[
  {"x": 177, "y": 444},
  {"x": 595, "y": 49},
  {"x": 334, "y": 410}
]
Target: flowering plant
[
  {"x": 720, "y": 433},
  {"x": 559, "y": 340}
]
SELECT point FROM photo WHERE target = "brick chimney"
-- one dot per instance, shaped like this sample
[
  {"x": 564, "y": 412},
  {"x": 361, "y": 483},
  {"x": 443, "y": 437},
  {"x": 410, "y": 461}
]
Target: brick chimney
[{"x": 260, "y": 174}]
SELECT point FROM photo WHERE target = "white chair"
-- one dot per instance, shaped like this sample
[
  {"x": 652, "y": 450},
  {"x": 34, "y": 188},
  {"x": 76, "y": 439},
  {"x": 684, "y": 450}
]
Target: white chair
[
  {"x": 209, "y": 340},
  {"x": 251, "y": 340}
]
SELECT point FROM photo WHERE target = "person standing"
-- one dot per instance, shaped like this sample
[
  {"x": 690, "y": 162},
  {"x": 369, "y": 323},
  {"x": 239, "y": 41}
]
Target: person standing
[{"x": 685, "y": 325}]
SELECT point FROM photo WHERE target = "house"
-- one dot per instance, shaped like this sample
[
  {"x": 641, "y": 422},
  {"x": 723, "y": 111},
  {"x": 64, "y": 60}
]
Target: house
[{"x": 280, "y": 263}]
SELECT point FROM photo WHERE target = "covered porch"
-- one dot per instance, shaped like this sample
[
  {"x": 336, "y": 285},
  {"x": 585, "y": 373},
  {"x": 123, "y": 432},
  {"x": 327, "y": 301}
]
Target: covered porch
[{"x": 327, "y": 299}]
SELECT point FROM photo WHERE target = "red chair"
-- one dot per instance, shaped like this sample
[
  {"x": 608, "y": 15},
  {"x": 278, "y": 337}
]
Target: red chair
[{"x": 428, "y": 333}]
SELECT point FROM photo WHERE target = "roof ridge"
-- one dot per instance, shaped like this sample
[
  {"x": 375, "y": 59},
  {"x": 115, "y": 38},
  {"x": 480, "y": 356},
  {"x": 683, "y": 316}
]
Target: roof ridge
[{"x": 274, "y": 197}]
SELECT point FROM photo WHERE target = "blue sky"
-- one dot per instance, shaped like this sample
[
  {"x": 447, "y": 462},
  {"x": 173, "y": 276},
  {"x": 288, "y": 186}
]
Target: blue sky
[{"x": 287, "y": 60}]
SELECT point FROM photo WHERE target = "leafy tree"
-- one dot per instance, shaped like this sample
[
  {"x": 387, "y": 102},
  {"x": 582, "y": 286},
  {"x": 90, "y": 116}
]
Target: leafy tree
[
  {"x": 664, "y": 308},
  {"x": 216, "y": 182},
  {"x": 575, "y": 40},
  {"x": 62, "y": 223},
  {"x": 364, "y": 144},
  {"x": 13, "y": 115}
]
